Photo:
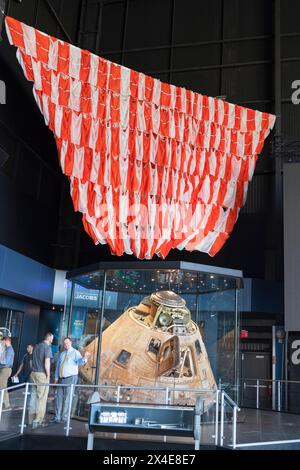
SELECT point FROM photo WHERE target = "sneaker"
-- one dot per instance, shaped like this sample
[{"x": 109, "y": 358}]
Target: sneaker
[
  {"x": 44, "y": 424},
  {"x": 36, "y": 424},
  {"x": 55, "y": 420}
]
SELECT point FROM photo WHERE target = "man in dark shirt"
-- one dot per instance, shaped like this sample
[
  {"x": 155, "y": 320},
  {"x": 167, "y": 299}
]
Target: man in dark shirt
[
  {"x": 41, "y": 357},
  {"x": 6, "y": 367},
  {"x": 26, "y": 365}
]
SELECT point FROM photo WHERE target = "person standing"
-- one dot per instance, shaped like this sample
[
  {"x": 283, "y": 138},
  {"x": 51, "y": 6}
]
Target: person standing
[
  {"x": 6, "y": 368},
  {"x": 41, "y": 358},
  {"x": 26, "y": 364},
  {"x": 66, "y": 373}
]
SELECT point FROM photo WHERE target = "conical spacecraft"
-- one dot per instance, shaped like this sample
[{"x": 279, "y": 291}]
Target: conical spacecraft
[{"x": 155, "y": 345}]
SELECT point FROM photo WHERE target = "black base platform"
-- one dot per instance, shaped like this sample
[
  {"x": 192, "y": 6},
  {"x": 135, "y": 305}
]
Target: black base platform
[{"x": 30, "y": 442}]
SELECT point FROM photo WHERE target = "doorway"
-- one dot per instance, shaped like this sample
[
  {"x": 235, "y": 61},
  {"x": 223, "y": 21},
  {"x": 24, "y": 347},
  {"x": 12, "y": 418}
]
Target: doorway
[{"x": 256, "y": 366}]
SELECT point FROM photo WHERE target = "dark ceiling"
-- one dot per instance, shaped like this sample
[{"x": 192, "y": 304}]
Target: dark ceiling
[{"x": 247, "y": 51}]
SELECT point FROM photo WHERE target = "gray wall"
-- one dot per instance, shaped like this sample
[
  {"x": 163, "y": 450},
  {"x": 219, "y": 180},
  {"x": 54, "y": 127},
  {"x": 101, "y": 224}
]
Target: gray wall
[
  {"x": 291, "y": 201},
  {"x": 219, "y": 47},
  {"x": 25, "y": 277},
  {"x": 30, "y": 321},
  {"x": 261, "y": 296}
]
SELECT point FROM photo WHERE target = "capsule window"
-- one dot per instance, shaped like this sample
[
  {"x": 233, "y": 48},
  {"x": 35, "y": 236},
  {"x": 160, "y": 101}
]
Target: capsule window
[
  {"x": 123, "y": 357},
  {"x": 154, "y": 345},
  {"x": 197, "y": 346}
]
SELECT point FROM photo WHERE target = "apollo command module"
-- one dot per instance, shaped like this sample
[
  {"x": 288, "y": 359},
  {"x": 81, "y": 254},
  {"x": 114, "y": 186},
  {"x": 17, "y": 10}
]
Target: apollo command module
[{"x": 154, "y": 344}]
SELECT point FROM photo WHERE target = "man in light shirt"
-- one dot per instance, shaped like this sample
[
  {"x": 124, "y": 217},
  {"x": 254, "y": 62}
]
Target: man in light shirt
[
  {"x": 6, "y": 368},
  {"x": 66, "y": 373}
]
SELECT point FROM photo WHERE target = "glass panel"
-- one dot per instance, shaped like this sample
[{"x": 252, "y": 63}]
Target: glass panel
[
  {"x": 40, "y": 410},
  {"x": 208, "y": 419},
  {"x": 228, "y": 425},
  {"x": 157, "y": 333},
  {"x": 290, "y": 392},
  {"x": 84, "y": 318},
  {"x": 83, "y": 396},
  {"x": 11, "y": 416},
  {"x": 217, "y": 318},
  {"x": 183, "y": 341},
  {"x": 258, "y": 393},
  {"x": 66, "y": 316}
]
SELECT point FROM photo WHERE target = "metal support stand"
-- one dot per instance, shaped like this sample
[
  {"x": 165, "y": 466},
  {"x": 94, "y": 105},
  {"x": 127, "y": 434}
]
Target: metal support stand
[
  {"x": 222, "y": 419},
  {"x": 257, "y": 394},
  {"x": 90, "y": 441},
  {"x": 1, "y": 402},
  {"x": 100, "y": 328},
  {"x": 26, "y": 393},
  {"x": 278, "y": 395},
  {"x": 197, "y": 423},
  {"x": 234, "y": 427},
  {"x": 274, "y": 367},
  {"x": 217, "y": 418},
  {"x": 70, "y": 410},
  {"x": 167, "y": 396}
]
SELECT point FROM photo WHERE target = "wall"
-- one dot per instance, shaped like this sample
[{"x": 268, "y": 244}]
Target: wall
[
  {"x": 50, "y": 320},
  {"x": 29, "y": 198},
  {"x": 23, "y": 276},
  {"x": 60, "y": 288},
  {"x": 30, "y": 320},
  {"x": 293, "y": 358},
  {"x": 218, "y": 48},
  {"x": 260, "y": 296},
  {"x": 291, "y": 246},
  {"x": 30, "y": 182}
]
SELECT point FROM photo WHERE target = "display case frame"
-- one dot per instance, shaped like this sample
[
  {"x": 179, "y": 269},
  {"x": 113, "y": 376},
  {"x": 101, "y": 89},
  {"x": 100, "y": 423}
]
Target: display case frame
[{"x": 211, "y": 293}]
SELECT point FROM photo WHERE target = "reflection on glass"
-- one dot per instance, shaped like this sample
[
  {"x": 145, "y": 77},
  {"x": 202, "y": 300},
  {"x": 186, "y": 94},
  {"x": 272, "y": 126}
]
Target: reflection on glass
[{"x": 210, "y": 305}]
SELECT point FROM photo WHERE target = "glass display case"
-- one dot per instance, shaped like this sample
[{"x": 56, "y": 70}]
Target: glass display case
[{"x": 99, "y": 295}]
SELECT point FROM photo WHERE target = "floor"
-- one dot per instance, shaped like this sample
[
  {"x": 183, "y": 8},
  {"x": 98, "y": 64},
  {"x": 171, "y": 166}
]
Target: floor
[
  {"x": 253, "y": 426},
  {"x": 264, "y": 426}
]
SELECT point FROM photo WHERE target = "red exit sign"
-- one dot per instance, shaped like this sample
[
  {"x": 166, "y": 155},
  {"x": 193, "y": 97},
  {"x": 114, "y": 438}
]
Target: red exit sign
[{"x": 244, "y": 334}]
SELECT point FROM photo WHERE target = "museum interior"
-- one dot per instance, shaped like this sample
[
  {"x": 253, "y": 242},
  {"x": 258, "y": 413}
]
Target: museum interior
[{"x": 149, "y": 225}]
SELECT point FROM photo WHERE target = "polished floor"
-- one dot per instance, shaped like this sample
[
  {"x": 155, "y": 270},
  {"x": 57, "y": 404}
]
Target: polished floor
[
  {"x": 265, "y": 426},
  {"x": 254, "y": 426}
]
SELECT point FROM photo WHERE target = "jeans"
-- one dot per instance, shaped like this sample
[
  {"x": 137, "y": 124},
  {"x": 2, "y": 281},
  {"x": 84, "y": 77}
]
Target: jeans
[
  {"x": 62, "y": 401},
  {"x": 24, "y": 378}
]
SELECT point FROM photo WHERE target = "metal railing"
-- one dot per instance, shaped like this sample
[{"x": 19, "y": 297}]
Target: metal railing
[
  {"x": 226, "y": 401},
  {"x": 219, "y": 424},
  {"x": 276, "y": 397},
  {"x": 220, "y": 404}
]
